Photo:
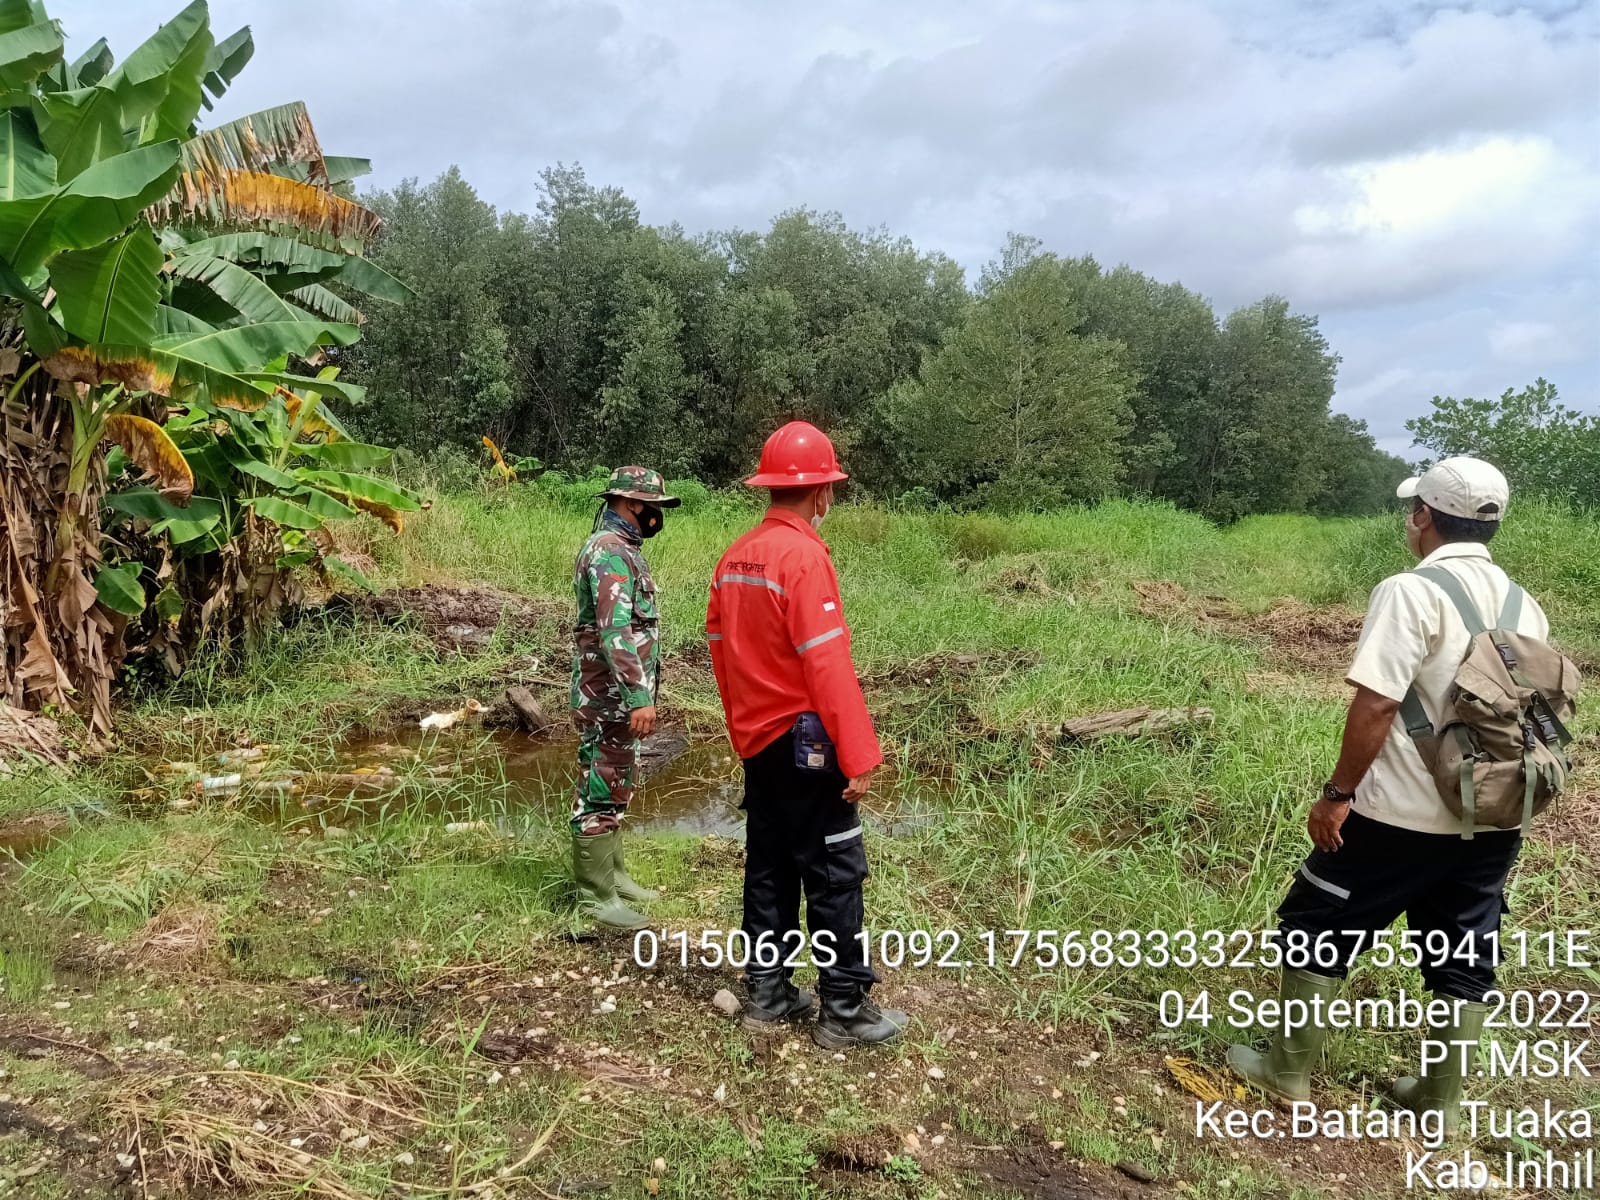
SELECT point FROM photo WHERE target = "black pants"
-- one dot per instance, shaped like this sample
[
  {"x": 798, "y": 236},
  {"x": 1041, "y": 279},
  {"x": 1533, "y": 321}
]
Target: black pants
[
  {"x": 1440, "y": 881},
  {"x": 801, "y": 832}
]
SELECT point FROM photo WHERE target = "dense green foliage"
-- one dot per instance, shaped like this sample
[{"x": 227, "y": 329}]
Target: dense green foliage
[
  {"x": 169, "y": 290},
  {"x": 1544, "y": 447},
  {"x": 581, "y": 335}
]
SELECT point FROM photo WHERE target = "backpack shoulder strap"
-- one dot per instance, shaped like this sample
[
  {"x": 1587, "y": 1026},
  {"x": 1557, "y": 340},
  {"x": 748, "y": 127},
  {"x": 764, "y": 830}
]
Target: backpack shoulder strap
[
  {"x": 1511, "y": 611},
  {"x": 1412, "y": 715},
  {"x": 1418, "y": 728},
  {"x": 1451, "y": 587}
]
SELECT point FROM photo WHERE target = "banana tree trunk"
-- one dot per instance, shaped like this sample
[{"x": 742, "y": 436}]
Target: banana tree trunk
[{"x": 61, "y": 648}]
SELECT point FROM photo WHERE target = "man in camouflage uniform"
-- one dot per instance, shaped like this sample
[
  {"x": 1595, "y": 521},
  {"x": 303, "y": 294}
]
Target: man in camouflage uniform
[{"x": 615, "y": 672}]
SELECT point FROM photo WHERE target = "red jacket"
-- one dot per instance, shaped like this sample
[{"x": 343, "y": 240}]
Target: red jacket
[{"x": 779, "y": 644}]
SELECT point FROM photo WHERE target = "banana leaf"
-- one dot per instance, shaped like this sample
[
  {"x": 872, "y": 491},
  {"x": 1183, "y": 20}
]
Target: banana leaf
[
  {"x": 158, "y": 85},
  {"x": 258, "y": 142},
  {"x": 26, "y": 167},
  {"x": 227, "y": 58},
  {"x": 109, "y": 293},
  {"x": 366, "y": 277},
  {"x": 255, "y": 249},
  {"x": 19, "y": 14},
  {"x": 94, "y": 207},
  {"x": 119, "y": 589},
  {"x": 80, "y": 127},
  {"x": 347, "y": 456},
  {"x": 362, "y": 487},
  {"x": 150, "y": 449},
  {"x": 27, "y": 52},
  {"x": 324, "y": 303},
  {"x": 90, "y": 67},
  {"x": 245, "y": 293},
  {"x": 348, "y": 573},
  {"x": 350, "y": 393},
  {"x": 328, "y": 507},
  {"x": 249, "y": 199},
  {"x": 282, "y": 512}
]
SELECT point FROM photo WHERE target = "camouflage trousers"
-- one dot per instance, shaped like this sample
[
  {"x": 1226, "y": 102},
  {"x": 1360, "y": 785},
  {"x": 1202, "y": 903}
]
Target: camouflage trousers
[{"x": 608, "y": 761}]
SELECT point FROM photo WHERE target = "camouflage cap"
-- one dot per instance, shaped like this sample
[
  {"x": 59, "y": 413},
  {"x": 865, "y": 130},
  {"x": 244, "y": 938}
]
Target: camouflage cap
[{"x": 640, "y": 483}]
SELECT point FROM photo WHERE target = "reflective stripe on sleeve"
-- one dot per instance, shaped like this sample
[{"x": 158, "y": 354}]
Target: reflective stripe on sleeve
[
  {"x": 1331, "y": 888},
  {"x": 713, "y": 637},
  {"x": 834, "y": 838},
  {"x": 836, "y": 631},
  {"x": 753, "y": 580}
]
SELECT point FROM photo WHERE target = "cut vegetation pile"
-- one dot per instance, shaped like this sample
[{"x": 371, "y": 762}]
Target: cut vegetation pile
[
  {"x": 461, "y": 618},
  {"x": 1298, "y": 635}
]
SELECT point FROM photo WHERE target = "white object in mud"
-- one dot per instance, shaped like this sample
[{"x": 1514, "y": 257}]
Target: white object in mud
[
  {"x": 221, "y": 785},
  {"x": 444, "y": 720},
  {"x": 468, "y": 827}
]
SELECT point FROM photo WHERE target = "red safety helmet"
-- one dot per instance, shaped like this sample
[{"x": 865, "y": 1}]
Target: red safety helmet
[{"x": 797, "y": 455}]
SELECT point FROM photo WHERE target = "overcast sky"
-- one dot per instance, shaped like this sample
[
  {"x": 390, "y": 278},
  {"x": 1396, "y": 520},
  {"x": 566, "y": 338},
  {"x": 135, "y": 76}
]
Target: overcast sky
[{"x": 1426, "y": 179}]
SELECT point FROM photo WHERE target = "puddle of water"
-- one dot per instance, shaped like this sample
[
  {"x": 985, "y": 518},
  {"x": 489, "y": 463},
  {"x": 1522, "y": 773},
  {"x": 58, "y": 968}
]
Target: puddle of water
[
  {"x": 29, "y": 834},
  {"x": 491, "y": 777},
  {"x": 685, "y": 788},
  {"x": 498, "y": 776},
  {"x": 20, "y": 841}
]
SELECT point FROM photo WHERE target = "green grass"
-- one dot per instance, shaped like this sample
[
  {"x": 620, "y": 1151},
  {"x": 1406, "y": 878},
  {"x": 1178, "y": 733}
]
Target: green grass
[{"x": 390, "y": 951}]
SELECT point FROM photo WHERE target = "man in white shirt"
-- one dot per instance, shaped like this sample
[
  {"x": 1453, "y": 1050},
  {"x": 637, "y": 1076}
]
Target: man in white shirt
[{"x": 1386, "y": 844}]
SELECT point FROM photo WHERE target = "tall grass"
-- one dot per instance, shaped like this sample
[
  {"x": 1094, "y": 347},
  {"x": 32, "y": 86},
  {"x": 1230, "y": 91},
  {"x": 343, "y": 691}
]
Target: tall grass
[{"x": 908, "y": 577}]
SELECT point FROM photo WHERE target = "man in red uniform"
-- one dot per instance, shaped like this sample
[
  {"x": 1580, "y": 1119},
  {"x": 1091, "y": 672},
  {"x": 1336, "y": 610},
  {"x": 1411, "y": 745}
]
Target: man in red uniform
[{"x": 796, "y": 717}]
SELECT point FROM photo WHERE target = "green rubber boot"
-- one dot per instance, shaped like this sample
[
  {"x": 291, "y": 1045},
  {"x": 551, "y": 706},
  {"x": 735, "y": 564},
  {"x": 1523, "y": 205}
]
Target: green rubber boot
[
  {"x": 633, "y": 893},
  {"x": 1440, "y": 1089},
  {"x": 1284, "y": 1071},
  {"x": 592, "y": 859}
]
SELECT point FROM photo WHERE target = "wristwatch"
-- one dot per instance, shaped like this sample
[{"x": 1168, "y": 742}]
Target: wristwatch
[{"x": 1332, "y": 794}]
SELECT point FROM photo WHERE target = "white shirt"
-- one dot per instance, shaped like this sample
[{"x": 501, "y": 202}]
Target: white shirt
[{"x": 1413, "y": 634}]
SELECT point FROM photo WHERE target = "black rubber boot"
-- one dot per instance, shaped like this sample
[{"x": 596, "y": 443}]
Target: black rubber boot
[
  {"x": 772, "y": 999},
  {"x": 850, "y": 1019}
]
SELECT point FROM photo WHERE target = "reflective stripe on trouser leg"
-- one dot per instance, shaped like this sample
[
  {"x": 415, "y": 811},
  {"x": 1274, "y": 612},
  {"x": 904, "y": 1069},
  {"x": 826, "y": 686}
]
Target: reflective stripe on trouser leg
[
  {"x": 834, "y": 899},
  {"x": 608, "y": 757}
]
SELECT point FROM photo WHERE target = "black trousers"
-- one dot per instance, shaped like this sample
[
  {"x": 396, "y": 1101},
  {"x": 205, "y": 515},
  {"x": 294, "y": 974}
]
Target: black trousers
[
  {"x": 801, "y": 833},
  {"x": 1440, "y": 881}
]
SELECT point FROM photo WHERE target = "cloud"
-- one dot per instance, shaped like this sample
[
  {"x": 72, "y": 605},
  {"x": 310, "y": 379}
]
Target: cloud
[
  {"x": 1407, "y": 169},
  {"x": 1536, "y": 343},
  {"x": 1460, "y": 75}
]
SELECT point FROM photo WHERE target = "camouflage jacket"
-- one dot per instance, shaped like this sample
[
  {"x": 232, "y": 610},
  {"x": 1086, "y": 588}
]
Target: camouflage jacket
[{"x": 617, "y": 665}]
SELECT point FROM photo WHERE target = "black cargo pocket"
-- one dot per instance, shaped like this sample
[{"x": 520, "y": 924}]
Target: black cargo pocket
[
  {"x": 845, "y": 856},
  {"x": 1314, "y": 900}
]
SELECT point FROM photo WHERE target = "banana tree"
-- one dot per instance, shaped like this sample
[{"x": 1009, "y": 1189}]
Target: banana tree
[
  {"x": 169, "y": 292},
  {"x": 267, "y": 484}
]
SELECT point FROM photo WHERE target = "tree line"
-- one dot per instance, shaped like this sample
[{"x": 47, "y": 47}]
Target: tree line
[{"x": 581, "y": 335}]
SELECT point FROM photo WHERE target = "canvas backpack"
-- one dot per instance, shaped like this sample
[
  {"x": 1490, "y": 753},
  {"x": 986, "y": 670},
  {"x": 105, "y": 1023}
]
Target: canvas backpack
[{"x": 1498, "y": 756}]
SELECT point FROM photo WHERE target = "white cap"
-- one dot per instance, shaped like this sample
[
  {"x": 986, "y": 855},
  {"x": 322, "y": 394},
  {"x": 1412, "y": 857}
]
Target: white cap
[{"x": 1461, "y": 487}]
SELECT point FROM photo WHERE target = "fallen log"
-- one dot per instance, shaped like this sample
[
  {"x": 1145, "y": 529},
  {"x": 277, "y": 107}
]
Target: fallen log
[
  {"x": 1143, "y": 721},
  {"x": 529, "y": 711}
]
